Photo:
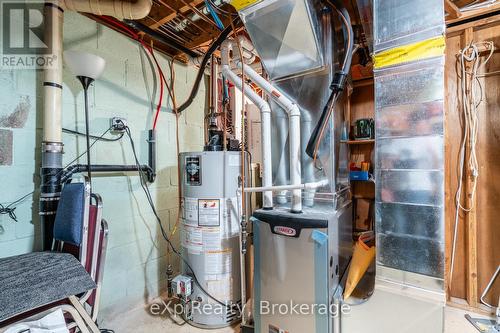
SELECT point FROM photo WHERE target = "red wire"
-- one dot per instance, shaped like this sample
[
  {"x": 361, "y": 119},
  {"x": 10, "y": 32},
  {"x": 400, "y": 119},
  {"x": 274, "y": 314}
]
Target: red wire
[
  {"x": 159, "y": 105},
  {"x": 148, "y": 48}
]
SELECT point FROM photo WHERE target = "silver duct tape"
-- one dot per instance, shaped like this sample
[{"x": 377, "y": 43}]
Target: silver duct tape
[
  {"x": 401, "y": 22},
  {"x": 410, "y": 167}
]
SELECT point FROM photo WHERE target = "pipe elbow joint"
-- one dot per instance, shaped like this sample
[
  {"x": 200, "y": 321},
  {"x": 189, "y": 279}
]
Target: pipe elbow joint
[
  {"x": 294, "y": 111},
  {"x": 264, "y": 107}
]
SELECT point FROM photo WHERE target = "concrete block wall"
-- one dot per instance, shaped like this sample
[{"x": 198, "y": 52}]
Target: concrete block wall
[{"x": 137, "y": 254}]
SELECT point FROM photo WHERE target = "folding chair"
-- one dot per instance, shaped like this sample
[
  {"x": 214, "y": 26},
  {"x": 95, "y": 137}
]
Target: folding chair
[{"x": 70, "y": 277}]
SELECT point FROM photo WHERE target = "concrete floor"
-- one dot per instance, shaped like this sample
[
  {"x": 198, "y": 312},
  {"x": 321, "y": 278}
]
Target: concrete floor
[{"x": 140, "y": 320}]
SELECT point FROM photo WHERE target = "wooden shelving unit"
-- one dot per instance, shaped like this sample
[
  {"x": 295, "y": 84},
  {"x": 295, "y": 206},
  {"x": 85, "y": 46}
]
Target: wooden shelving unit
[
  {"x": 360, "y": 104},
  {"x": 358, "y": 142}
]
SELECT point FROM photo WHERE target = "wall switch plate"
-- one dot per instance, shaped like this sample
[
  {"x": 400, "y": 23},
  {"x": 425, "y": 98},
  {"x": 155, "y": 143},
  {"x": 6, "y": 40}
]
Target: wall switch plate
[{"x": 118, "y": 124}]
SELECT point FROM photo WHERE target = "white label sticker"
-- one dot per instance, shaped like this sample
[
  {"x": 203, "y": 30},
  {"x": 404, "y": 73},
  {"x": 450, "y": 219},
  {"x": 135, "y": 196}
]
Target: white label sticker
[
  {"x": 221, "y": 288},
  {"x": 189, "y": 208},
  {"x": 212, "y": 239},
  {"x": 218, "y": 262},
  {"x": 209, "y": 212},
  {"x": 192, "y": 238}
]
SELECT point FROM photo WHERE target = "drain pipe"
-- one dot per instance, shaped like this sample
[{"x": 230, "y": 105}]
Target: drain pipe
[
  {"x": 293, "y": 129},
  {"x": 307, "y": 162},
  {"x": 277, "y": 188},
  {"x": 52, "y": 147},
  {"x": 265, "y": 111}
]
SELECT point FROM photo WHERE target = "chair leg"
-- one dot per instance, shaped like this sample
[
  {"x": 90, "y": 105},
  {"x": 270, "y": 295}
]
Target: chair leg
[
  {"x": 84, "y": 314},
  {"x": 79, "y": 321}
]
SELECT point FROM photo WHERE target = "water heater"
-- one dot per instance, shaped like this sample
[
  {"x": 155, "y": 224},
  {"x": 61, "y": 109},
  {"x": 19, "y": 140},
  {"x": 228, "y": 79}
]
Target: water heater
[{"x": 210, "y": 236}]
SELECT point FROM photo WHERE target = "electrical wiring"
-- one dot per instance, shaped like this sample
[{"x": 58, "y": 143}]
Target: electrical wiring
[
  {"x": 94, "y": 136},
  {"x": 470, "y": 88},
  {"x": 171, "y": 90},
  {"x": 222, "y": 11},
  {"x": 150, "y": 50},
  {"x": 158, "y": 219},
  {"x": 11, "y": 207},
  {"x": 214, "y": 15}
]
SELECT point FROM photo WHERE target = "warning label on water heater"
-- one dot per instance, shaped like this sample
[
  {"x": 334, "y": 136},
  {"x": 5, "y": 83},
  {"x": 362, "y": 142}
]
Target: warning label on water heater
[{"x": 209, "y": 212}]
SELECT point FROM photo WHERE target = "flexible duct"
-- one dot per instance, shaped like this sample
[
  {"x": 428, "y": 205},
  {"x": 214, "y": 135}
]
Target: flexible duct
[
  {"x": 265, "y": 110},
  {"x": 131, "y": 10}
]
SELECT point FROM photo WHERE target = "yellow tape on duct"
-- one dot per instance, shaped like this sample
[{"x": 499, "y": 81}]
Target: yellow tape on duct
[
  {"x": 241, "y": 4},
  {"x": 429, "y": 48}
]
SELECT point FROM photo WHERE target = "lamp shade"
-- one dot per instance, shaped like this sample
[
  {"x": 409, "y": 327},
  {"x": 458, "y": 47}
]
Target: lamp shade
[{"x": 84, "y": 64}]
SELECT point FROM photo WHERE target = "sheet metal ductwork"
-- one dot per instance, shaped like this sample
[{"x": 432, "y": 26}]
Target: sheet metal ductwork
[
  {"x": 409, "y": 164},
  {"x": 295, "y": 42},
  {"x": 121, "y": 9}
]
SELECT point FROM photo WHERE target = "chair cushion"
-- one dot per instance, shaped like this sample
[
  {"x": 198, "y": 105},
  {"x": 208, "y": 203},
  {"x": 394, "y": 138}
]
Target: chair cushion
[
  {"x": 68, "y": 224},
  {"x": 33, "y": 280}
]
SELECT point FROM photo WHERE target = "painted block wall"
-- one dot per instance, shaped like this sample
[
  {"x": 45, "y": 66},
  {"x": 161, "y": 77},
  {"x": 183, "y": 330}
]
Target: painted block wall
[{"x": 137, "y": 254}]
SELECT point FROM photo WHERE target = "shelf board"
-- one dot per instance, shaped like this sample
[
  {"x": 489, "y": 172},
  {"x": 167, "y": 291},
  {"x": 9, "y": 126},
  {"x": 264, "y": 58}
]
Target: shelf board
[
  {"x": 358, "y": 142},
  {"x": 364, "y": 82},
  {"x": 362, "y": 181}
]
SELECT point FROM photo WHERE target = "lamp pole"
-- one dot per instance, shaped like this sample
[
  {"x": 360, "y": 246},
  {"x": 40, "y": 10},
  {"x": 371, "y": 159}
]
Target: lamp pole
[{"x": 86, "y": 82}]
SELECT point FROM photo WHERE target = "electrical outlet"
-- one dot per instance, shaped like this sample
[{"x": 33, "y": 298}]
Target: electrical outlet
[{"x": 118, "y": 124}]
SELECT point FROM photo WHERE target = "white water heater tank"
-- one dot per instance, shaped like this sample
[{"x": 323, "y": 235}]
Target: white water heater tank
[{"x": 210, "y": 235}]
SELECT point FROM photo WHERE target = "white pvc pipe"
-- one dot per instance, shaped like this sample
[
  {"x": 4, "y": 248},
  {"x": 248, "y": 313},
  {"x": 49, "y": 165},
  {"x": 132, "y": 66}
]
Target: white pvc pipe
[
  {"x": 122, "y": 9},
  {"x": 52, "y": 88},
  {"x": 267, "y": 174},
  {"x": 306, "y": 186},
  {"x": 52, "y": 77},
  {"x": 293, "y": 132}
]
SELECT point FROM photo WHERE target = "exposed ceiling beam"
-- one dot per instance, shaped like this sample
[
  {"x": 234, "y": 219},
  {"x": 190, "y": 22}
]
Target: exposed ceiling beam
[
  {"x": 182, "y": 9},
  {"x": 465, "y": 15},
  {"x": 452, "y": 9}
]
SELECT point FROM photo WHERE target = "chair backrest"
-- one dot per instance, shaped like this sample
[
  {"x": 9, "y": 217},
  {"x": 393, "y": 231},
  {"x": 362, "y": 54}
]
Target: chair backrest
[
  {"x": 72, "y": 218},
  {"x": 80, "y": 230}
]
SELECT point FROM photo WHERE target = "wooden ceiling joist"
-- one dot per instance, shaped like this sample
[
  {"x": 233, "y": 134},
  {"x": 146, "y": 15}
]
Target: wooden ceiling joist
[
  {"x": 452, "y": 9},
  {"x": 174, "y": 12}
]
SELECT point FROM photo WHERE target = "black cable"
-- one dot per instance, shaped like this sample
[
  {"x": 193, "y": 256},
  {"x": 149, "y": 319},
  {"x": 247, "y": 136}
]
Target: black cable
[
  {"x": 67, "y": 130},
  {"x": 214, "y": 46},
  {"x": 338, "y": 82},
  {"x": 158, "y": 219},
  {"x": 10, "y": 209}
]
